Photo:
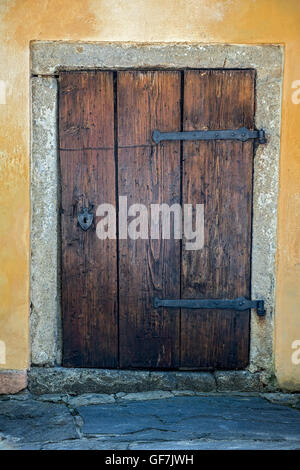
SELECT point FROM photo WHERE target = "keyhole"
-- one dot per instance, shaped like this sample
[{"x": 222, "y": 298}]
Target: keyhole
[{"x": 85, "y": 219}]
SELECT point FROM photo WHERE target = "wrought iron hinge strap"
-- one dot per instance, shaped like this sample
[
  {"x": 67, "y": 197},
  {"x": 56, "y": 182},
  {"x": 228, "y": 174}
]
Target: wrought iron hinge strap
[
  {"x": 243, "y": 134},
  {"x": 239, "y": 304}
]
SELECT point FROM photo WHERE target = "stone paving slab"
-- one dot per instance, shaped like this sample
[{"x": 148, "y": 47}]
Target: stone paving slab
[
  {"x": 193, "y": 417},
  {"x": 115, "y": 420},
  {"x": 72, "y": 444},
  {"x": 169, "y": 422},
  {"x": 213, "y": 445},
  {"x": 32, "y": 421},
  {"x": 197, "y": 444}
]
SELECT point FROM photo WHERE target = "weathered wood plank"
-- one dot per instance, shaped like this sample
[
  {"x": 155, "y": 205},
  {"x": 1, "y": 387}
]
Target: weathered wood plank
[
  {"x": 219, "y": 175},
  {"x": 89, "y": 265},
  {"x": 148, "y": 174}
]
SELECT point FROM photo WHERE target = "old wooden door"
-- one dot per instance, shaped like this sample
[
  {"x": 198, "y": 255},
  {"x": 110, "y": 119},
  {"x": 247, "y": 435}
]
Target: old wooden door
[{"x": 106, "y": 121}]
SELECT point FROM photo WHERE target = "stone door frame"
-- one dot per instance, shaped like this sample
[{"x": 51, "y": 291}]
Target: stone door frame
[{"x": 47, "y": 59}]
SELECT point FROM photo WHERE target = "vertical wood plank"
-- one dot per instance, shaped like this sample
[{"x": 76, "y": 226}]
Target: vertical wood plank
[
  {"x": 219, "y": 175},
  {"x": 148, "y": 174},
  {"x": 89, "y": 265}
]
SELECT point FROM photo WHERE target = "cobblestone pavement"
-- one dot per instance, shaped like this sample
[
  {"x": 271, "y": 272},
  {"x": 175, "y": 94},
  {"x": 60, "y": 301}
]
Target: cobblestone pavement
[{"x": 150, "y": 420}]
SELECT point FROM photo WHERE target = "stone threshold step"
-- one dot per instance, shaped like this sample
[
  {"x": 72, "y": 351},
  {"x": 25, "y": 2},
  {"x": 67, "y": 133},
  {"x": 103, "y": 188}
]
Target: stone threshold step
[{"x": 51, "y": 380}]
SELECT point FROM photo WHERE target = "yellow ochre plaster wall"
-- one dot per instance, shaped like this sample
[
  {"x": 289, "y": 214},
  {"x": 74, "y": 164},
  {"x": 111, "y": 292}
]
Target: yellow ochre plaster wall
[{"x": 202, "y": 21}]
